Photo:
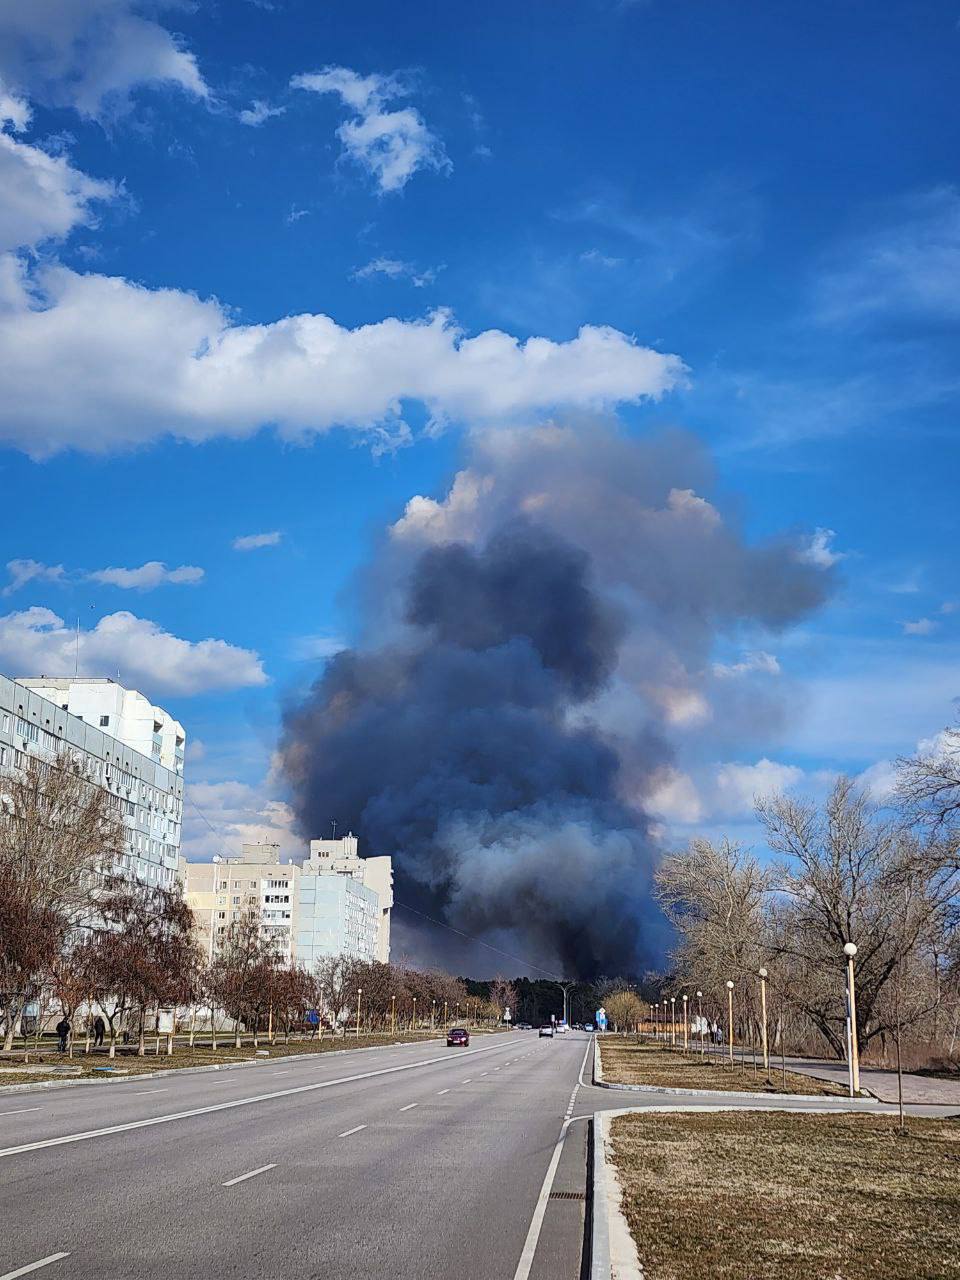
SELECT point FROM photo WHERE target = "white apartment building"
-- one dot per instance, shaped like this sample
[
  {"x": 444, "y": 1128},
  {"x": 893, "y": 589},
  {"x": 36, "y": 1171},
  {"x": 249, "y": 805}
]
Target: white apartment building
[
  {"x": 341, "y": 857},
  {"x": 147, "y": 793},
  {"x": 123, "y": 713},
  {"x": 220, "y": 891}
]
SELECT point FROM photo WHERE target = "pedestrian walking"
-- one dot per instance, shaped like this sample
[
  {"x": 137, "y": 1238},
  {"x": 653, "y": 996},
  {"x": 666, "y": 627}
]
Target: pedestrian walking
[
  {"x": 99, "y": 1030},
  {"x": 63, "y": 1030}
]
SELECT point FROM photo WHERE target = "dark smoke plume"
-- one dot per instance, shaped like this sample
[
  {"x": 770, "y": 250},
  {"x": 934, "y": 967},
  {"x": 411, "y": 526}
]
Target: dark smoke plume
[{"x": 483, "y": 745}]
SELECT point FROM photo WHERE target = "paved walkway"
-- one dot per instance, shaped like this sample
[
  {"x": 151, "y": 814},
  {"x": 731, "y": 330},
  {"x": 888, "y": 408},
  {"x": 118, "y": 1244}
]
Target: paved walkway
[{"x": 921, "y": 1090}]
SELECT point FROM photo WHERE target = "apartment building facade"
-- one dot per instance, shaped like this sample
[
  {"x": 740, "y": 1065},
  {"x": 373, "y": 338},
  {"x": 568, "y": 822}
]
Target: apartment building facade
[
  {"x": 147, "y": 793},
  {"x": 224, "y": 889}
]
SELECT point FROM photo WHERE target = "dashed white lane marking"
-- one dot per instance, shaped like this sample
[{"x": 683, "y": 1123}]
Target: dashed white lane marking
[
  {"x": 410, "y": 1106},
  {"x": 347, "y": 1132},
  {"x": 33, "y": 1266},
  {"x": 533, "y": 1235},
  {"x": 469, "y": 1080},
  {"x": 279, "y": 1073},
  {"x": 442, "y": 1092},
  {"x": 142, "y": 1093},
  {"x": 484, "y": 1073},
  {"x": 232, "y": 1182},
  {"x": 229, "y": 1106},
  {"x": 19, "y": 1111}
]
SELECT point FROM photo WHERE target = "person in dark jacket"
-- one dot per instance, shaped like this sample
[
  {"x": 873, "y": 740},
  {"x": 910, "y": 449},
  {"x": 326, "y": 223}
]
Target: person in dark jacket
[
  {"x": 63, "y": 1030},
  {"x": 99, "y": 1030}
]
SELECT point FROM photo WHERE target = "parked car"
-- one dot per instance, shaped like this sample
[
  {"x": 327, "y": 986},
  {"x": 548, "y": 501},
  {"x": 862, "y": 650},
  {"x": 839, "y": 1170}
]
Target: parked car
[
  {"x": 588, "y": 1026},
  {"x": 457, "y": 1036},
  {"x": 547, "y": 1030}
]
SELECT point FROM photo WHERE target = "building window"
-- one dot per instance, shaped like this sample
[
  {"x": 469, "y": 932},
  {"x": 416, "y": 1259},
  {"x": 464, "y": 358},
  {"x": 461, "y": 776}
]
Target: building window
[
  {"x": 223, "y": 884},
  {"x": 221, "y": 915},
  {"x": 236, "y": 902}
]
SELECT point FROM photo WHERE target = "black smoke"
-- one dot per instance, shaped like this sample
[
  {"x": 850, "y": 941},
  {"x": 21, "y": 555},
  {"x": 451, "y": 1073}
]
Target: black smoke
[{"x": 501, "y": 726}]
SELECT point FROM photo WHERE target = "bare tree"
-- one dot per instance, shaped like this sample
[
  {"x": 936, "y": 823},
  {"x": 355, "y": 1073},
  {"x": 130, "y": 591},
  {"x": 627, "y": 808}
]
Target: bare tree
[{"x": 59, "y": 833}]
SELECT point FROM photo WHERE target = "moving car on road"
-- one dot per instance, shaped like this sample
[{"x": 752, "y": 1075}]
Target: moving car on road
[
  {"x": 457, "y": 1036},
  {"x": 547, "y": 1030}
]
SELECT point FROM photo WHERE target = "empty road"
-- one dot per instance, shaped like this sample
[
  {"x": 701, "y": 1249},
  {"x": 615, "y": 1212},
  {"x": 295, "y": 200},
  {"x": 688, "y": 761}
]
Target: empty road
[{"x": 410, "y": 1161}]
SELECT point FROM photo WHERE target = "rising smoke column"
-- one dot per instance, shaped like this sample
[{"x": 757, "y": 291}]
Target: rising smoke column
[{"x": 541, "y": 630}]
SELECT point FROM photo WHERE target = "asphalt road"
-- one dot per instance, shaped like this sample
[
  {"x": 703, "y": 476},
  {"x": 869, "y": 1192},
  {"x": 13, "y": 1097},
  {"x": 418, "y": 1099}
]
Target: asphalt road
[{"x": 410, "y": 1161}]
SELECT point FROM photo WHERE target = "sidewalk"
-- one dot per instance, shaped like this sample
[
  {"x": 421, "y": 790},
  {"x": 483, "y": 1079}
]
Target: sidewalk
[{"x": 882, "y": 1084}]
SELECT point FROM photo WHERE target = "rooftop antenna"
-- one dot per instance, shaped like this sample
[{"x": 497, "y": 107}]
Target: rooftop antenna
[{"x": 334, "y": 824}]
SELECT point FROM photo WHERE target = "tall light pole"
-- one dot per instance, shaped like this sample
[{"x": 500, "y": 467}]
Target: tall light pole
[
  {"x": 444, "y": 1013},
  {"x": 763, "y": 1020},
  {"x": 359, "y": 994},
  {"x": 413, "y": 1020},
  {"x": 433, "y": 1015},
  {"x": 673, "y": 1022},
  {"x": 850, "y": 950},
  {"x": 700, "y": 1019},
  {"x": 730, "y": 1019},
  {"x": 663, "y": 1019},
  {"x": 686, "y": 1023},
  {"x": 393, "y": 1015}
]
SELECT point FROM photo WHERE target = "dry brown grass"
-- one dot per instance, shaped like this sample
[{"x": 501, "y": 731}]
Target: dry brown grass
[
  {"x": 199, "y": 1056},
  {"x": 778, "y": 1196},
  {"x": 627, "y": 1062}
]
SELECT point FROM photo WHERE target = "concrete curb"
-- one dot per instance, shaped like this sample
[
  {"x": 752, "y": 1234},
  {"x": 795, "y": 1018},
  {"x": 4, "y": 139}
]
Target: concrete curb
[
  {"x": 600, "y": 1083},
  {"x": 613, "y": 1254},
  {"x": 33, "y": 1085}
]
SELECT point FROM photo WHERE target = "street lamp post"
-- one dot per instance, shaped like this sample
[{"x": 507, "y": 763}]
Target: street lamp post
[
  {"x": 359, "y": 994},
  {"x": 413, "y": 1020},
  {"x": 673, "y": 1022},
  {"x": 686, "y": 1023},
  {"x": 663, "y": 1020},
  {"x": 763, "y": 1021},
  {"x": 850, "y": 950},
  {"x": 700, "y": 1020},
  {"x": 445, "y": 1013},
  {"x": 393, "y": 1015},
  {"x": 730, "y": 1019}
]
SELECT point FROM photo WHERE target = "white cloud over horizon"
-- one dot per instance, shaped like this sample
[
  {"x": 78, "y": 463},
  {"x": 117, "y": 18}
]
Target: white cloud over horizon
[
  {"x": 92, "y": 54},
  {"x": 254, "y": 541},
  {"x": 97, "y": 363},
  {"x": 235, "y": 813},
  {"x": 36, "y": 641},
  {"x": 390, "y": 145},
  {"x": 24, "y": 571},
  {"x": 150, "y": 575}
]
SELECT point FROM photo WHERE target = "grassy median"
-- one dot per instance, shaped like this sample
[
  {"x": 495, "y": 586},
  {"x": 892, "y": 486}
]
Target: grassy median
[
  {"x": 201, "y": 1055},
  {"x": 775, "y": 1196},
  {"x": 628, "y": 1062}
]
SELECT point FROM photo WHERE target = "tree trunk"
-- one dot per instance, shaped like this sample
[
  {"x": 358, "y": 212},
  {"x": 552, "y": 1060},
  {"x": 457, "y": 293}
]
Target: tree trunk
[
  {"x": 142, "y": 1035},
  {"x": 213, "y": 1028}
]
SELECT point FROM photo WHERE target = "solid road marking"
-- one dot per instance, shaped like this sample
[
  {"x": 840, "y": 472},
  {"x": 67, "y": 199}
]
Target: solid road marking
[
  {"x": 346, "y": 1134},
  {"x": 33, "y": 1266},
  {"x": 232, "y": 1182},
  {"x": 410, "y": 1106},
  {"x": 227, "y": 1106},
  {"x": 19, "y": 1112},
  {"x": 533, "y": 1235}
]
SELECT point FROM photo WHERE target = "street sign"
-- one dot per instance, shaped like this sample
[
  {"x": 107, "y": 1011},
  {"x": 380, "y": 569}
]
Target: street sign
[{"x": 506, "y": 1015}]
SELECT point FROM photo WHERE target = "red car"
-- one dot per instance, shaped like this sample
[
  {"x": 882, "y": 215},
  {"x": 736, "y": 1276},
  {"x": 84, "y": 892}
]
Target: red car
[{"x": 457, "y": 1036}]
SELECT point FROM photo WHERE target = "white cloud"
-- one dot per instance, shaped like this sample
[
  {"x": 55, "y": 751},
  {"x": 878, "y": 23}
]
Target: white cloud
[
  {"x": 152, "y": 574},
  {"x": 14, "y": 111},
  {"x": 395, "y": 269},
  {"x": 598, "y": 259},
  {"x": 24, "y": 571},
  {"x": 316, "y": 648},
  {"x": 258, "y": 112},
  {"x": 920, "y": 627},
  {"x": 253, "y": 541},
  {"x": 819, "y": 550},
  {"x": 909, "y": 266},
  {"x": 391, "y": 145},
  {"x": 97, "y": 363},
  {"x": 42, "y": 197},
  {"x": 37, "y": 642},
  {"x": 738, "y": 786},
  {"x": 91, "y": 54},
  {"x": 756, "y": 661},
  {"x": 674, "y": 798},
  {"x": 239, "y": 814}
]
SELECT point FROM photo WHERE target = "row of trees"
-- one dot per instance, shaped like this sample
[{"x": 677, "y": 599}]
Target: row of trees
[
  {"x": 76, "y": 939},
  {"x": 884, "y": 877}
]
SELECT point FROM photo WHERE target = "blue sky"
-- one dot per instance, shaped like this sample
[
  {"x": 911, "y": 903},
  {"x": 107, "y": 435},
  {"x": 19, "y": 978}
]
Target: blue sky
[{"x": 755, "y": 210}]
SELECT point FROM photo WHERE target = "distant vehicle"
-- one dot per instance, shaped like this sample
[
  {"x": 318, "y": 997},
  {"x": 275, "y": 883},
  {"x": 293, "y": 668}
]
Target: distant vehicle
[
  {"x": 547, "y": 1030},
  {"x": 457, "y": 1036},
  {"x": 588, "y": 1026},
  {"x": 524, "y": 1026},
  {"x": 562, "y": 1026}
]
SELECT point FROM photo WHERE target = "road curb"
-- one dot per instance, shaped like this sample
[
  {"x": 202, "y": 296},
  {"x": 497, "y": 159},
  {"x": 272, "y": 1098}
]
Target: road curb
[
  {"x": 659, "y": 1089},
  {"x": 613, "y": 1253},
  {"x": 33, "y": 1085}
]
